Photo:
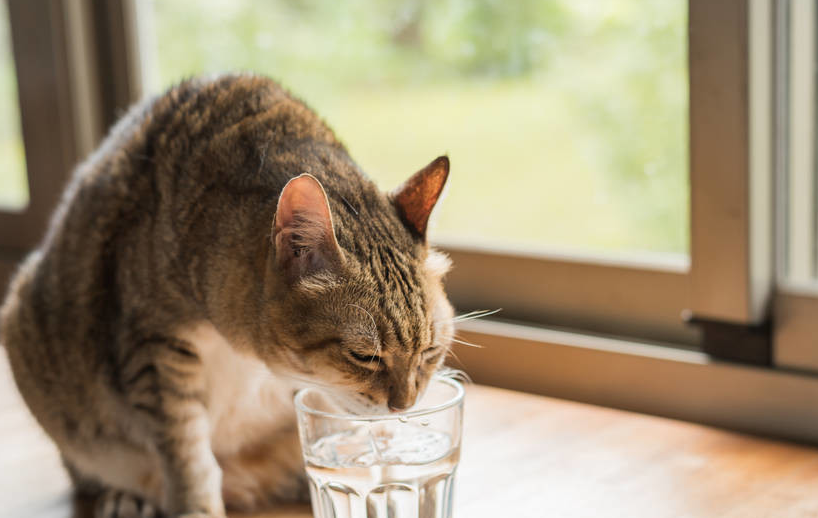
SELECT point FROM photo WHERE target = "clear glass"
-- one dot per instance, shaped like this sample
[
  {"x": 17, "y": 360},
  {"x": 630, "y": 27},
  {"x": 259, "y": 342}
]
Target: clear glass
[
  {"x": 565, "y": 120},
  {"x": 13, "y": 177},
  {"x": 396, "y": 465}
]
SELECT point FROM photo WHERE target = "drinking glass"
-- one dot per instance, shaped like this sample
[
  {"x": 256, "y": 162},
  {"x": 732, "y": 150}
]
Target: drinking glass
[{"x": 377, "y": 466}]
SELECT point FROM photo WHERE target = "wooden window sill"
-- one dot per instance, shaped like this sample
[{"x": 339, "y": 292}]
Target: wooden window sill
[
  {"x": 640, "y": 377},
  {"x": 523, "y": 456}
]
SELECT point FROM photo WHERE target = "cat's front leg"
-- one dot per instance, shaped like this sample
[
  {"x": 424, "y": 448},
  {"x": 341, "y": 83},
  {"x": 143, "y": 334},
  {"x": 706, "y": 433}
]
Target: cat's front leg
[
  {"x": 164, "y": 382},
  {"x": 192, "y": 475},
  {"x": 265, "y": 473}
]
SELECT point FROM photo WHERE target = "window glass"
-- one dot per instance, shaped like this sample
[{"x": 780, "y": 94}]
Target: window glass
[
  {"x": 797, "y": 196},
  {"x": 13, "y": 179},
  {"x": 565, "y": 120}
]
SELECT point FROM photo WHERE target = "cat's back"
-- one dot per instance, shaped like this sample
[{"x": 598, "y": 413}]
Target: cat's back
[
  {"x": 183, "y": 157},
  {"x": 200, "y": 133}
]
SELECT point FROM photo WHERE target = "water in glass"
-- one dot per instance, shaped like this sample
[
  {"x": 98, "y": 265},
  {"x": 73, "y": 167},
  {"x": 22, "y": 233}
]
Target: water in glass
[{"x": 392, "y": 469}]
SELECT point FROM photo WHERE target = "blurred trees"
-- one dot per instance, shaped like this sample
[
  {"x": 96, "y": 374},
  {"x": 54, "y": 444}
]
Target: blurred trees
[{"x": 590, "y": 94}]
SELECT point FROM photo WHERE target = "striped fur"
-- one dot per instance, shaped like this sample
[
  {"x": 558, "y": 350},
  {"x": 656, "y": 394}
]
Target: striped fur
[{"x": 158, "y": 299}]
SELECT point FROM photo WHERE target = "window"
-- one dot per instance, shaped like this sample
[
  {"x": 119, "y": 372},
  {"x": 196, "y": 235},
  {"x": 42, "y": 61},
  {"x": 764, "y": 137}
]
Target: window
[
  {"x": 13, "y": 179},
  {"x": 799, "y": 184},
  {"x": 566, "y": 121},
  {"x": 614, "y": 166},
  {"x": 797, "y": 299},
  {"x": 38, "y": 134}
]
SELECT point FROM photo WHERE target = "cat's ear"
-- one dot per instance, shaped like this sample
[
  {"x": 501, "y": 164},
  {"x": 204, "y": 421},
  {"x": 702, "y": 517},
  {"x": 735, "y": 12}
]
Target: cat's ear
[
  {"x": 416, "y": 198},
  {"x": 303, "y": 234}
]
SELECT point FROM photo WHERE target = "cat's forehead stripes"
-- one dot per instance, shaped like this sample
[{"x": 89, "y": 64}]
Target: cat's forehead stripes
[
  {"x": 383, "y": 247},
  {"x": 402, "y": 295}
]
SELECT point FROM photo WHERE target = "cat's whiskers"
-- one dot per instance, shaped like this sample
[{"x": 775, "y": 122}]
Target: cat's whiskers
[
  {"x": 472, "y": 316},
  {"x": 458, "y": 340},
  {"x": 454, "y": 374},
  {"x": 449, "y": 352},
  {"x": 480, "y": 313},
  {"x": 377, "y": 353}
]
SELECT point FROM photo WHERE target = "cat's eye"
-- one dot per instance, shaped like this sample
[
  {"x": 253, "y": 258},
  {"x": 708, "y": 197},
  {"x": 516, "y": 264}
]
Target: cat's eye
[
  {"x": 431, "y": 355},
  {"x": 365, "y": 358},
  {"x": 433, "y": 358}
]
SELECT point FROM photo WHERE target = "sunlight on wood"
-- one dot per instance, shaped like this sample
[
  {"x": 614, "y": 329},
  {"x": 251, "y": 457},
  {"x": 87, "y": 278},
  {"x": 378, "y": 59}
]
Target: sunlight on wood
[{"x": 523, "y": 456}]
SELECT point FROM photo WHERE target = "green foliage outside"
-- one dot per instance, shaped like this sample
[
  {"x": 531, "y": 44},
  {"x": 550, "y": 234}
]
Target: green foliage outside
[
  {"x": 13, "y": 182},
  {"x": 566, "y": 120}
]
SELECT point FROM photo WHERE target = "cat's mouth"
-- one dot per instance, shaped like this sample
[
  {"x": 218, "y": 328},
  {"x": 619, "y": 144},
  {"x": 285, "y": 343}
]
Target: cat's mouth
[
  {"x": 353, "y": 404},
  {"x": 342, "y": 399}
]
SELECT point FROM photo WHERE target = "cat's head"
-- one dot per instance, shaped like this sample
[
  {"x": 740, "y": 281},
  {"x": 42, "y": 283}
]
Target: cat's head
[{"x": 360, "y": 304}]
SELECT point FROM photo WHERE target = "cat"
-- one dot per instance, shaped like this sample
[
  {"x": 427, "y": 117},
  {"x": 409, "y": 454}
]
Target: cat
[{"x": 219, "y": 249}]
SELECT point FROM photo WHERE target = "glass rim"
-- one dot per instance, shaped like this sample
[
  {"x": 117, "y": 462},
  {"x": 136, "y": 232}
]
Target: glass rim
[{"x": 301, "y": 407}]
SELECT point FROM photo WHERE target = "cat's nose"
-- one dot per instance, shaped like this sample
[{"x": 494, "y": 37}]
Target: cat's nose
[
  {"x": 394, "y": 409},
  {"x": 400, "y": 400}
]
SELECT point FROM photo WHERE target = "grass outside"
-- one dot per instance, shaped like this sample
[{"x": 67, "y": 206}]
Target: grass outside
[
  {"x": 13, "y": 179},
  {"x": 566, "y": 121},
  {"x": 522, "y": 170}
]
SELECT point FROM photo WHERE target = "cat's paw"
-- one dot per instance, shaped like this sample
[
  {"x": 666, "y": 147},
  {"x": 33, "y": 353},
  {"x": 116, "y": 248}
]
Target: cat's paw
[{"x": 118, "y": 504}]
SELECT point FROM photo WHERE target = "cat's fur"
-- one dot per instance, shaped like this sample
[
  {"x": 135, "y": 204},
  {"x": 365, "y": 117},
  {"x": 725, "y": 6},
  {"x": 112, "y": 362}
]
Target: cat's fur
[{"x": 182, "y": 291}]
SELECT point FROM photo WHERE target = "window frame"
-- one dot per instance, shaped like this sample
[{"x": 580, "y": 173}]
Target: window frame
[
  {"x": 731, "y": 165},
  {"x": 730, "y": 272},
  {"x": 795, "y": 345},
  {"x": 70, "y": 90},
  {"x": 796, "y": 301},
  {"x": 636, "y": 298},
  {"x": 48, "y": 116},
  {"x": 729, "y": 277},
  {"x": 645, "y": 378},
  {"x": 603, "y": 295},
  {"x": 738, "y": 148}
]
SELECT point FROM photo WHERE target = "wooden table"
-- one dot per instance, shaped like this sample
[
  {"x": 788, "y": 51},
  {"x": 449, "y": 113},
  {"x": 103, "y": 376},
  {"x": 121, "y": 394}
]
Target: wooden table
[{"x": 523, "y": 456}]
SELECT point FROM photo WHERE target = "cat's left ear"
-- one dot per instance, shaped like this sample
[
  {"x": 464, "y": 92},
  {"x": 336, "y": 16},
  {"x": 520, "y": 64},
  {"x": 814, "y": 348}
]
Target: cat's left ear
[
  {"x": 416, "y": 198},
  {"x": 303, "y": 233}
]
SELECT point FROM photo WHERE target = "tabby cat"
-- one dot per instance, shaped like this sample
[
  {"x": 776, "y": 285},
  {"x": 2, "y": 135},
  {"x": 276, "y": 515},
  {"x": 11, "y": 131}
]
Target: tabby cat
[{"x": 217, "y": 250}]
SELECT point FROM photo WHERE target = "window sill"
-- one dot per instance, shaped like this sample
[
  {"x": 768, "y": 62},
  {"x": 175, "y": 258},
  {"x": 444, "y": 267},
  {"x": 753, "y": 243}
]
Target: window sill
[{"x": 676, "y": 383}]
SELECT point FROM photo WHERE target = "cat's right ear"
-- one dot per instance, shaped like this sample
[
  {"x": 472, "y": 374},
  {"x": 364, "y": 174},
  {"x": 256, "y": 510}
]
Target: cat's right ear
[
  {"x": 418, "y": 195},
  {"x": 303, "y": 233}
]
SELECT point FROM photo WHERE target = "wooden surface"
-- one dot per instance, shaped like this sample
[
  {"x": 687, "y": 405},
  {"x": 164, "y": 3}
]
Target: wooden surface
[{"x": 523, "y": 456}]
